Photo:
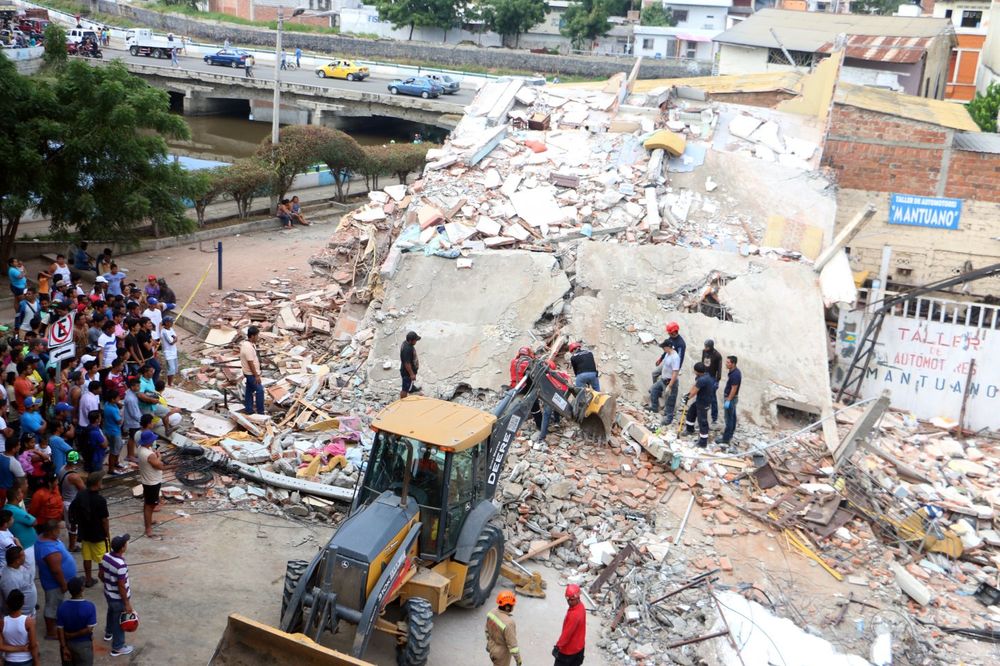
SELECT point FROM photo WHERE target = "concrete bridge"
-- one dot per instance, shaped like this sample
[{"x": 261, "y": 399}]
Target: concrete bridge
[{"x": 210, "y": 90}]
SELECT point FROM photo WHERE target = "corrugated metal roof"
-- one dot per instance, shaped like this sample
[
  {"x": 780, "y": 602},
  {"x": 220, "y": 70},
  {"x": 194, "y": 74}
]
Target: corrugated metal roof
[
  {"x": 922, "y": 109},
  {"x": 880, "y": 48},
  {"x": 977, "y": 142},
  {"x": 808, "y": 31}
]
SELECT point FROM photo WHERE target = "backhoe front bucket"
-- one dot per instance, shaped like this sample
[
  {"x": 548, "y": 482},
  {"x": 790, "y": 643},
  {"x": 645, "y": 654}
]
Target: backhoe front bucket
[
  {"x": 599, "y": 416},
  {"x": 250, "y": 643}
]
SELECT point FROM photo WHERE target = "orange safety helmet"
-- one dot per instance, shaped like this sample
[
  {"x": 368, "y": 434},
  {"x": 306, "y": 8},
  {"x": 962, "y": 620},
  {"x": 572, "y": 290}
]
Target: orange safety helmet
[
  {"x": 573, "y": 346},
  {"x": 506, "y": 598},
  {"x": 673, "y": 327}
]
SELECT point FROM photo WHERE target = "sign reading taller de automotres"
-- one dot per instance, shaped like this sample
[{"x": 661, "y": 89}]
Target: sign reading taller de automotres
[{"x": 932, "y": 212}]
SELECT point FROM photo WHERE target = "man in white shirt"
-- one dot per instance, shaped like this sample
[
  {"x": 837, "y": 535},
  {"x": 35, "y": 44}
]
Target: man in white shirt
[
  {"x": 168, "y": 343},
  {"x": 155, "y": 315},
  {"x": 107, "y": 345},
  {"x": 670, "y": 366}
]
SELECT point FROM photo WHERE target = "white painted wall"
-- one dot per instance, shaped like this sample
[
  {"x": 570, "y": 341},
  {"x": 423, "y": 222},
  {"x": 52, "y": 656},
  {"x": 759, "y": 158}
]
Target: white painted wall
[
  {"x": 924, "y": 365},
  {"x": 701, "y": 18},
  {"x": 940, "y": 8},
  {"x": 743, "y": 60}
]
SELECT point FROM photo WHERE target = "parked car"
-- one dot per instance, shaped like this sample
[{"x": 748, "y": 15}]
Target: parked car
[
  {"x": 342, "y": 69},
  {"x": 227, "y": 58},
  {"x": 418, "y": 86},
  {"x": 448, "y": 83}
]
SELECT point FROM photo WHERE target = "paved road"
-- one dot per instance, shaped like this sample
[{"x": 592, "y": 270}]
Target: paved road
[{"x": 265, "y": 72}]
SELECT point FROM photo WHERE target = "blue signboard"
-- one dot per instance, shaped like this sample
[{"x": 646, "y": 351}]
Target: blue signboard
[{"x": 917, "y": 211}]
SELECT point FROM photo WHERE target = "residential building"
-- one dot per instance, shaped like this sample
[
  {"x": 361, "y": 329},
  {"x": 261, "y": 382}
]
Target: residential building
[
  {"x": 971, "y": 19},
  {"x": 989, "y": 58},
  {"x": 910, "y": 52},
  {"x": 698, "y": 22}
]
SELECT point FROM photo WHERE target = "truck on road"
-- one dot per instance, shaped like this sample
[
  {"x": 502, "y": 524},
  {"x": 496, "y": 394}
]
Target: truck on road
[{"x": 142, "y": 42}]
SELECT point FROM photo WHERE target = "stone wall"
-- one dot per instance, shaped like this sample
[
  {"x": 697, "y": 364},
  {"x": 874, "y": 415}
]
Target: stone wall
[{"x": 455, "y": 57}]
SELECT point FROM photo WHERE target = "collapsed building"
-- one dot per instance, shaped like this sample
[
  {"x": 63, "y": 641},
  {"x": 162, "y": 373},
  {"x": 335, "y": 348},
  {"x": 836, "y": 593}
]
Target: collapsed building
[{"x": 599, "y": 214}]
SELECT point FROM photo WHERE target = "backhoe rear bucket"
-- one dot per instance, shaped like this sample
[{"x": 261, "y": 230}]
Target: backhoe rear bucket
[
  {"x": 598, "y": 416},
  {"x": 250, "y": 643}
]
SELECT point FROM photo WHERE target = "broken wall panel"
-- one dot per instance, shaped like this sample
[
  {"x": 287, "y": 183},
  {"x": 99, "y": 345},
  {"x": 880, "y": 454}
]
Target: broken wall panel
[
  {"x": 471, "y": 321},
  {"x": 626, "y": 295}
]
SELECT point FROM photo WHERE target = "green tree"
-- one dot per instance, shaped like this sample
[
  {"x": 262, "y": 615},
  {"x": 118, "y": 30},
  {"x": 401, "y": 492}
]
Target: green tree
[
  {"x": 106, "y": 167},
  {"x": 203, "y": 187},
  {"x": 342, "y": 155},
  {"x": 585, "y": 21},
  {"x": 655, "y": 15},
  {"x": 55, "y": 46},
  {"x": 881, "y": 7},
  {"x": 23, "y": 131},
  {"x": 402, "y": 159},
  {"x": 619, "y": 7},
  {"x": 243, "y": 181},
  {"x": 442, "y": 14},
  {"x": 984, "y": 108},
  {"x": 510, "y": 18},
  {"x": 297, "y": 150}
]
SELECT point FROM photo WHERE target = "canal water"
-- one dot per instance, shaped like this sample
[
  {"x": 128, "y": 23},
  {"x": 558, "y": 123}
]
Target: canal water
[{"x": 226, "y": 138}]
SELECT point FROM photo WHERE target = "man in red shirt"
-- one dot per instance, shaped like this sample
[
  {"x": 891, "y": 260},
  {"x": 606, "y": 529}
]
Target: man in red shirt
[{"x": 568, "y": 651}]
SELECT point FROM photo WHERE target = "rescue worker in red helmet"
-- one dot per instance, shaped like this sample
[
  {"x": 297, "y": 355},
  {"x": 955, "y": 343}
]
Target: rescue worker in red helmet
[
  {"x": 520, "y": 364},
  {"x": 584, "y": 366},
  {"x": 660, "y": 383},
  {"x": 568, "y": 650},
  {"x": 501, "y": 631}
]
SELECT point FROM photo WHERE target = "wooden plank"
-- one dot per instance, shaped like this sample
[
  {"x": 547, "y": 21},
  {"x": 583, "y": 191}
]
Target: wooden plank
[
  {"x": 599, "y": 582},
  {"x": 534, "y": 552}
]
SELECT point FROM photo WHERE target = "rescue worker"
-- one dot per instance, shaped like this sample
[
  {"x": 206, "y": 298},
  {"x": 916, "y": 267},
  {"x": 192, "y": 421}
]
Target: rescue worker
[
  {"x": 675, "y": 340},
  {"x": 409, "y": 364},
  {"x": 712, "y": 359},
  {"x": 568, "y": 650},
  {"x": 501, "y": 631},
  {"x": 731, "y": 396},
  {"x": 666, "y": 382},
  {"x": 584, "y": 366},
  {"x": 520, "y": 364},
  {"x": 699, "y": 402},
  {"x": 542, "y": 413}
]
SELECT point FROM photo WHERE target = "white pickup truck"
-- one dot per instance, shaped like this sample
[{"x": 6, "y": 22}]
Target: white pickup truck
[{"x": 142, "y": 42}]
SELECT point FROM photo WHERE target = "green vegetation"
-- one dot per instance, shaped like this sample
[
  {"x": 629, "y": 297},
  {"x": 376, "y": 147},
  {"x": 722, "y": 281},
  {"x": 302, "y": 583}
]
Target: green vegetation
[
  {"x": 655, "y": 15},
  {"x": 290, "y": 24},
  {"x": 509, "y": 18},
  {"x": 984, "y": 108},
  {"x": 585, "y": 21},
  {"x": 55, "y": 46},
  {"x": 84, "y": 145}
]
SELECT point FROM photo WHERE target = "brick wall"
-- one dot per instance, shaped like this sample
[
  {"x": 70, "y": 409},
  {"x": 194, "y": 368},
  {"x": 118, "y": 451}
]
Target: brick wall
[
  {"x": 874, "y": 154},
  {"x": 901, "y": 155}
]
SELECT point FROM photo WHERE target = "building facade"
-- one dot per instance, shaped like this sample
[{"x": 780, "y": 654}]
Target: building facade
[
  {"x": 971, "y": 20},
  {"x": 698, "y": 23}
]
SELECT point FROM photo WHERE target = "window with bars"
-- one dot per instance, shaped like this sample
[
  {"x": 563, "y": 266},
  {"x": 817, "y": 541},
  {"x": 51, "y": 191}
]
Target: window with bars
[
  {"x": 800, "y": 58},
  {"x": 971, "y": 19}
]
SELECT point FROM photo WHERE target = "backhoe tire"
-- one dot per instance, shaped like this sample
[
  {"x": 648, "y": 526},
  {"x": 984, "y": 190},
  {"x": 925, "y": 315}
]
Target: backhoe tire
[
  {"x": 419, "y": 618},
  {"x": 484, "y": 568},
  {"x": 293, "y": 573}
]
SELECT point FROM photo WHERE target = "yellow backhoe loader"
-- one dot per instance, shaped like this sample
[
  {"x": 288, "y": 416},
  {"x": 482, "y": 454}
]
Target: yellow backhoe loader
[{"x": 419, "y": 531}]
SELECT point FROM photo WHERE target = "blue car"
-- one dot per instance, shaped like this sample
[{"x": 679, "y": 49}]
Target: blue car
[
  {"x": 418, "y": 86},
  {"x": 234, "y": 59}
]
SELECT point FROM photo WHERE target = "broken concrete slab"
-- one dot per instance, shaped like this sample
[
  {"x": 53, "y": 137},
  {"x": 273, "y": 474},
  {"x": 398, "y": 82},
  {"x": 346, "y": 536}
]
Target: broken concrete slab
[
  {"x": 470, "y": 323},
  {"x": 643, "y": 286}
]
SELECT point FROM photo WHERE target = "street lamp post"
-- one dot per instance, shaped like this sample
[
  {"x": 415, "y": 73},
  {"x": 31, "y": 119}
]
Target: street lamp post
[{"x": 276, "y": 105}]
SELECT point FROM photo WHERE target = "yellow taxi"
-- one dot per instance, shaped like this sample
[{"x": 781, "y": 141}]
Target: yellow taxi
[{"x": 342, "y": 69}]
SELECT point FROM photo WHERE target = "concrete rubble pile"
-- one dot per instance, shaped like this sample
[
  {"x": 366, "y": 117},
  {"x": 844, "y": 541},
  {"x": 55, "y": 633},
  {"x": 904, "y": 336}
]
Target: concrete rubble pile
[
  {"x": 666, "y": 539},
  {"x": 534, "y": 168}
]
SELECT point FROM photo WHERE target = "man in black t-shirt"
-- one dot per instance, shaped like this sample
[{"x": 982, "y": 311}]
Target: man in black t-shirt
[
  {"x": 409, "y": 364},
  {"x": 699, "y": 402},
  {"x": 712, "y": 359},
  {"x": 147, "y": 346},
  {"x": 89, "y": 511}
]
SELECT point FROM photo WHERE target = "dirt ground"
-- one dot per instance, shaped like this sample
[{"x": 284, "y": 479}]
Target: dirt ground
[{"x": 211, "y": 564}]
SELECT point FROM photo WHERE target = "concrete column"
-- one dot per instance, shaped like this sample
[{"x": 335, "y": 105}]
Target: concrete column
[{"x": 316, "y": 117}]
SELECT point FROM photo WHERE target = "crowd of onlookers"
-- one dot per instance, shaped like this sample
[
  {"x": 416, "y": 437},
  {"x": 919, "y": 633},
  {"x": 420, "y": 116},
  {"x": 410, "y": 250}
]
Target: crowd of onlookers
[{"x": 69, "y": 419}]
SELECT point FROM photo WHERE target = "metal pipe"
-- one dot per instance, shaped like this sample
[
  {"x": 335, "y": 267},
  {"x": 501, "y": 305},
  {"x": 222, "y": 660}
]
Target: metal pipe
[{"x": 219, "y": 248}]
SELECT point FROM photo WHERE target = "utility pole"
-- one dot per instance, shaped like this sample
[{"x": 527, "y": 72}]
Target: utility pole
[{"x": 276, "y": 104}]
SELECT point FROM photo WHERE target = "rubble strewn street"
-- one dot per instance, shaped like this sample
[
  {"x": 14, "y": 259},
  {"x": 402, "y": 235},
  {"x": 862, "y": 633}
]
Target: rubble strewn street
[{"x": 801, "y": 541}]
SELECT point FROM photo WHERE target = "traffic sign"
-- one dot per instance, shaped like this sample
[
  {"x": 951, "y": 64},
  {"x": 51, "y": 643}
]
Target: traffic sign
[
  {"x": 62, "y": 352},
  {"x": 60, "y": 332}
]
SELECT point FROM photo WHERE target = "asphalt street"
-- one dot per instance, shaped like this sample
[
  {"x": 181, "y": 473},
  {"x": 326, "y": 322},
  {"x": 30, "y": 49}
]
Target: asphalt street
[{"x": 265, "y": 72}]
